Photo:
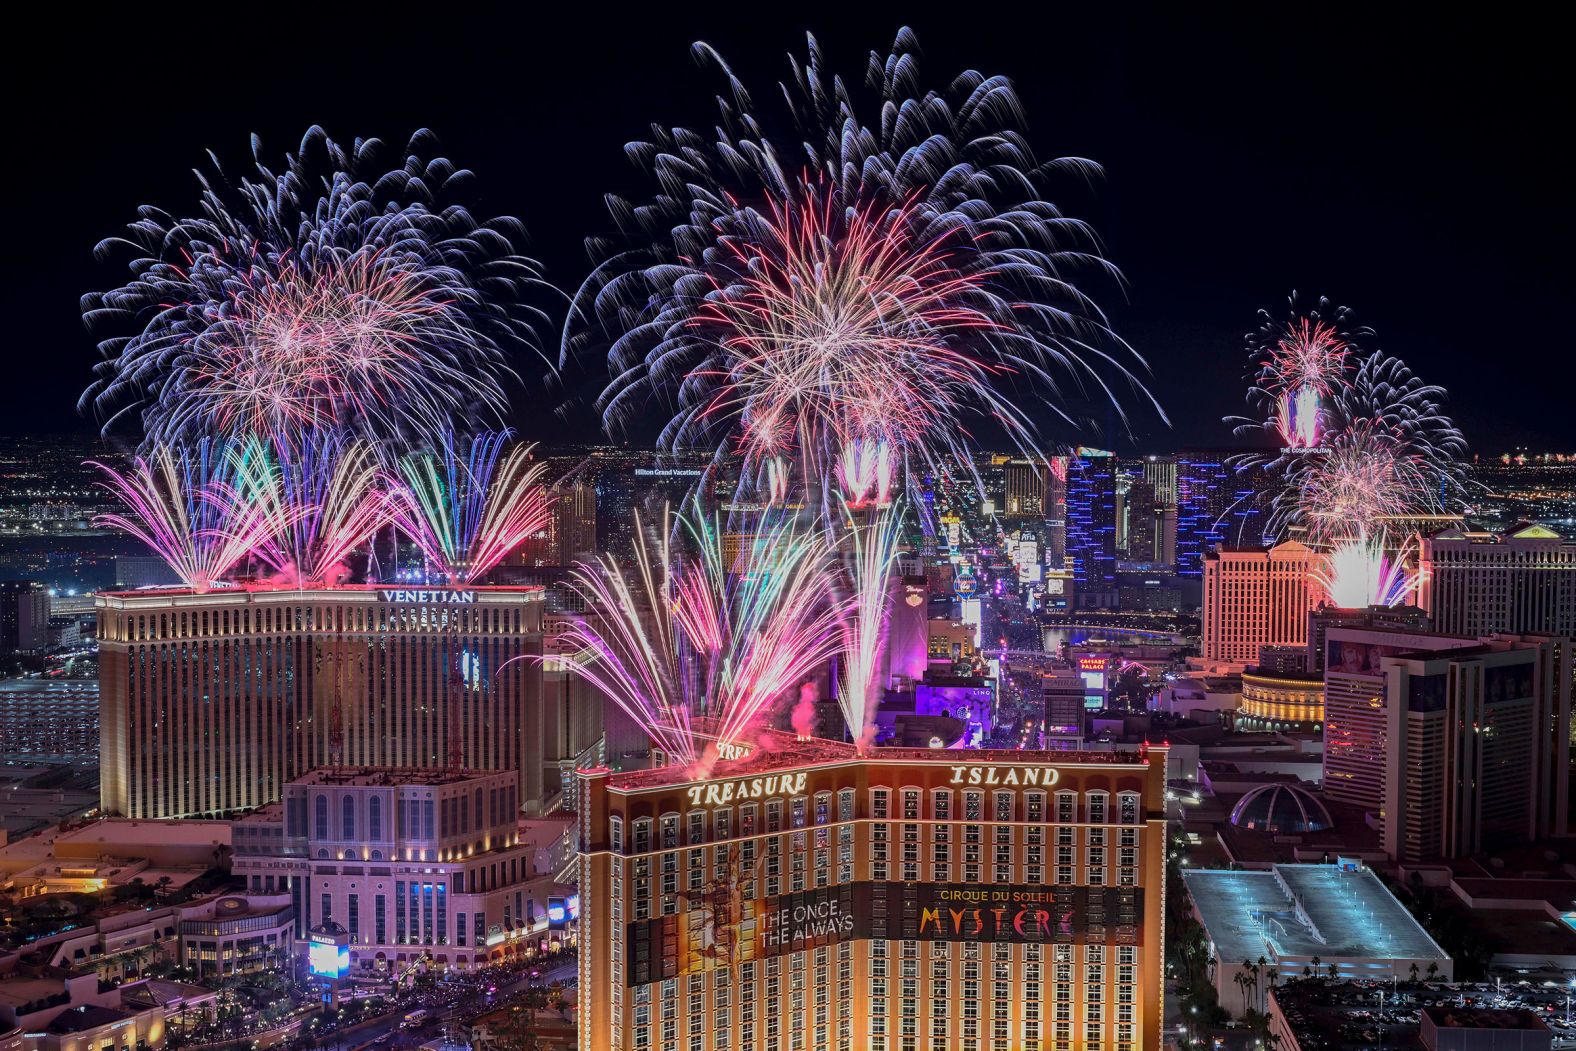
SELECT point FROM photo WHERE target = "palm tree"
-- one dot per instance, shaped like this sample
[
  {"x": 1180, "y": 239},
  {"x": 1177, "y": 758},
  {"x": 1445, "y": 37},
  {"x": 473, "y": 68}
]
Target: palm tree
[
  {"x": 1331, "y": 970},
  {"x": 1433, "y": 970},
  {"x": 1413, "y": 971}
]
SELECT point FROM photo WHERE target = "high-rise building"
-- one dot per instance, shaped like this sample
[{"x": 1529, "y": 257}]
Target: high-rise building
[
  {"x": 425, "y": 865},
  {"x": 24, "y": 617},
  {"x": 1028, "y": 485},
  {"x": 1142, "y": 516},
  {"x": 50, "y": 721},
  {"x": 1091, "y": 526},
  {"x": 807, "y": 896},
  {"x": 574, "y": 522},
  {"x": 1519, "y": 580},
  {"x": 1256, "y": 597},
  {"x": 211, "y": 703},
  {"x": 1161, "y": 474},
  {"x": 1460, "y": 745},
  {"x": 1218, "y": 504},
  {"x": 1384, "y": 618},
  {"x": 1357, "y": 732}
]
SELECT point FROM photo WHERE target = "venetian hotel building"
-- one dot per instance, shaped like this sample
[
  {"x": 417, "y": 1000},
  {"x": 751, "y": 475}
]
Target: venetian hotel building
[
  {"x": 807, "y": 898},
  {"x": 210, "y": 703}
]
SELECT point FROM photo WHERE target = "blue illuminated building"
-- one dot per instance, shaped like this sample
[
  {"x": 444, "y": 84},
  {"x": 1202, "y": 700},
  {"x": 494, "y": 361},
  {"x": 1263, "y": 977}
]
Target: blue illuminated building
[
  {"x": 1091, "y": 524},
  {"x": 1218, "y": 504}
]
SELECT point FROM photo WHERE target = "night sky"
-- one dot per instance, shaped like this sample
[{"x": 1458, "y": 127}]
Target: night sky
[{"x": 1414, "y": 170}]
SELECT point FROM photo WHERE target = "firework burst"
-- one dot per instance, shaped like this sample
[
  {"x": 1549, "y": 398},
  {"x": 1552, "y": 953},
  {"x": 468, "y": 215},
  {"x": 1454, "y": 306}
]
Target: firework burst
[
  {"x": 1297, "y": 365},
  {"x": 326, "y": 295},
  {"x": 898, "y": 278},
  {"x": 184, "y": 503},
  {"x": 469, "y": 504}
]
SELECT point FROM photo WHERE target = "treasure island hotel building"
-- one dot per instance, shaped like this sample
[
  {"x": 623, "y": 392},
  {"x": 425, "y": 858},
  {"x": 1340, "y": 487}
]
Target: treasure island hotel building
[
  {"x": 210, "y": 703},
  {"x": 808, "y": 898}
]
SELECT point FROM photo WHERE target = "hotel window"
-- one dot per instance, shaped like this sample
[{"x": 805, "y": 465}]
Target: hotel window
[
  {"x": 1128, "y": 803},
  {"x": 942, "y": 804},
  {"x": 642, "y": 835},
  {"x": 616, "y": 833},
  {"x": 823, "y": 807},
  {"x": 347, "y": 819},
  {"x": 375, "y": 818},
  {"x": 845, "y": 805},
  {"x": 911, "y": 804},
  {"x": 697, "y": 827},
  {"x": 1003, "y": 806},
  {"x": 1034, "y": 806},
  {"x": 1097, "y": 802},
  {"x": 320, "y": 817},
  {"x": 879, "y": 798},
  {"x": 1066, "y": 807},
  {"x": 973, "y": 806},
  {"x": 747, "y": 819},
  {"x": 774, "y": 815},
  {"x": 720, "y": 822},
  {"x": 670, "y": 831}
]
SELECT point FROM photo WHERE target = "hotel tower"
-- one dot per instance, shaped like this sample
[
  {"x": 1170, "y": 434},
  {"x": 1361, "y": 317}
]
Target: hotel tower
[
  {"x": 210, "y": 703},
  {"x": 809, "y": 898}
]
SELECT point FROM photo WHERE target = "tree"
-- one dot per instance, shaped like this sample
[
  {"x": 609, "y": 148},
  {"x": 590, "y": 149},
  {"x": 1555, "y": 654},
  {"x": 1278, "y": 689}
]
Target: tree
[
  {"x": 161, "y": 888},
  {"x": 1413, "y": 971},
  {"x": 1433, "y": 970}
]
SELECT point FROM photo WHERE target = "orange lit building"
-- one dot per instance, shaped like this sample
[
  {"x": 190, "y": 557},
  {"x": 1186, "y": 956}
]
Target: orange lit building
[
  {"x": 1256, "y": 597},
  {"x": 808, "y": 898}
]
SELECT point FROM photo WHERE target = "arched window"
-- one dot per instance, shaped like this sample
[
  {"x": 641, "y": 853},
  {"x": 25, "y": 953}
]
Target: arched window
[
  {"x": 377, "y": 855},
  {"x": 347, "y": 821},
  {"x": 375, "y": 818},
  {"x": 320, "y": 817}
]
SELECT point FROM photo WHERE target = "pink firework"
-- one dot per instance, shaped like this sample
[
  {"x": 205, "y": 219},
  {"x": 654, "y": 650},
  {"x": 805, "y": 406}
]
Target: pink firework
[
  {"x": 848, "y": 328},
  {"x": 185, "y": 505},
  {"x": 1304, "y": 367}
]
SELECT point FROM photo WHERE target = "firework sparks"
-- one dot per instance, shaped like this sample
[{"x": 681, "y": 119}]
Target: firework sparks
[
  {"x": 901, "y": 283},
  {"x": 323, "y": 499},
  {"x": 1360, "y": 572},
  {"x": 324, "y": 296},
  {"x": 468, "y": 506},
  {"x": 184, "y": 504},
  {"x": 875, "y": 544},
  {"x": 695, "y": 634}
]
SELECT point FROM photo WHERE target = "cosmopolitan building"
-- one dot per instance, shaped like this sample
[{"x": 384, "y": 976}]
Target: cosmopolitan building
[
  {"x": 807, "y": 897},
  {"x": 415, "y": 865},
  {"x": 1256, "y": 597},
  {"x": 211, "y": 703}
]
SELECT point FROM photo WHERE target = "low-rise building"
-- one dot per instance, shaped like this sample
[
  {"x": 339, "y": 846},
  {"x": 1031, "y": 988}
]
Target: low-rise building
[
  {"x": 1291, "y": 915},
  {"x": 416, "y": 865}
]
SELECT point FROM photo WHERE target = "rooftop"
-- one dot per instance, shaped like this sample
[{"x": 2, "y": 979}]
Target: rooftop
[
  {"x": 1305, "y": 911},
  {"x": 388, "y": 775},
  {"x": 391, "y": 593},
  {"x": 779, "y": 751}
]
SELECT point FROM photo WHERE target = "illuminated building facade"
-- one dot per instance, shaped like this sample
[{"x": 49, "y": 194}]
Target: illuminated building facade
[
  {"x": 1028, "y": 489},
  {"x": 1521, "y": 580},
  {"x": 1274, "y": 700},
  {"x": 412, "y": 864},
  {"x": 1092, "y": 526},
  {"x": 807, "y": 898},
  {"x": 1256, "y": 597},
  {"x": 1460, "y": 744},
  {"x": 1217, "y": 504},
  {"x": 211, "y": 703}
]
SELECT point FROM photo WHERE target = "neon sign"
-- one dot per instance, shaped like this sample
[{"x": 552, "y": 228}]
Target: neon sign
[
  {"x": 722, "y": 794},
  {"x": 1009, "y": 775},
  {"x": 426, "y": 596}
]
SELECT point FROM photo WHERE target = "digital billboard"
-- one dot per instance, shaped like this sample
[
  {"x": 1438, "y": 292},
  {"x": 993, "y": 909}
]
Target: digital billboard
[
  {"x": 718, "y": 931},
  {"x": 327, "y": 956}
]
